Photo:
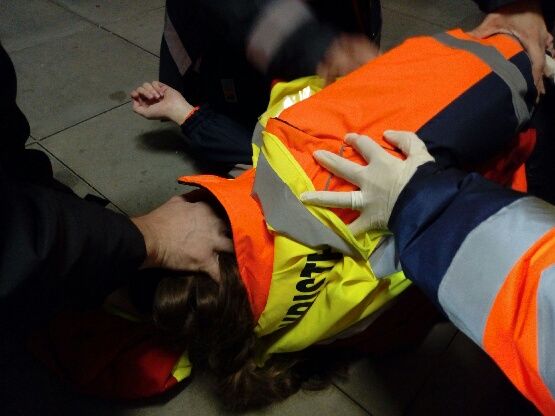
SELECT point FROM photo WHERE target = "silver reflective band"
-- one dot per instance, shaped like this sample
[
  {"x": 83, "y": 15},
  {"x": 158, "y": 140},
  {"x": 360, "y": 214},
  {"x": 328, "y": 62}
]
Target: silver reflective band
[
  {"x": 288, "y": 216},
  {"x": 491, "y": 262},
  {"x": 176, "y": 48},
  {"x": 384, "y": 260},
  {"x": 506, "y": 70}
]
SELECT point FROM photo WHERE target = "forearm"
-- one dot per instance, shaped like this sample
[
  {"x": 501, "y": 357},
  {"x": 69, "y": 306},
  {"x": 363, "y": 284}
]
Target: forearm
[
  {"x": 485, "y": 255},
  {"x": 64, "y": 245},
  {"x": 434, "y": 214},
  {"x": 180, "y": 112}
]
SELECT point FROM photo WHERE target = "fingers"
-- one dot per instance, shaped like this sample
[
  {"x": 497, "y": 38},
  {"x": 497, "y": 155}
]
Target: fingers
[
  {"x": 138, "y": 106},
  {"x": 338, "y": 165},
  {"x": 159, "y": 87},
  {"x": 345, "y": 54},
  {"x": 150, "y": 91},
  {"x": 357, "y": 227},
  {"x": 364, "y": 145},
  {"x": 489, "y": 27},
  {"x": 407, "y": 142},
  {"x": 534, "y": 41},
  {"x": 327, "y": 199},
  {"x": 209, "y": 263},
  {"x": 225, "y": 245},
  {"x": 535, "y": 47},
  {"x": 410, "y": 144},
  {"x": 523, "y": 20}
]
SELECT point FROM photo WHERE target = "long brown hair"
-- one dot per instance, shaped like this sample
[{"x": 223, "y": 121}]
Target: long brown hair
[{"x": 215, "y": 324}]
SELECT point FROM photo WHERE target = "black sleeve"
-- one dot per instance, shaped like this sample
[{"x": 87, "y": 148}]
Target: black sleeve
[
  {"x": 214, "y": 138},
  {"x": 434, "y": 214},
  {"x": 548, "y": 8},
  {"x": 299, "y": 52},
  {"x": 302, "y": 51},
  {"x": 488, "y": 6},
  {"x": 232, "y": 19},
  {"x": 58, "y": 251}
]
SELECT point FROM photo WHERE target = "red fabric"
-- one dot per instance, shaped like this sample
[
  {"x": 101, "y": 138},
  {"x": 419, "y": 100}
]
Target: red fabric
[
  {"x": 193, "y": 111},
  {"x": 105, "y": 355},
  {"x": 507, "y": 168}
]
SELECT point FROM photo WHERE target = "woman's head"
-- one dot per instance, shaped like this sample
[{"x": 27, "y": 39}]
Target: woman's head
[
  {"x": 192, "y": 305},
  {"x": 213, "y": 321}
]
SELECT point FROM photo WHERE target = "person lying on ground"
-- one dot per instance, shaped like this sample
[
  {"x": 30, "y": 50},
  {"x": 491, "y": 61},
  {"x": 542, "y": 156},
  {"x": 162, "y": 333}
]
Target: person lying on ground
[{"x": 300, "y": 275}]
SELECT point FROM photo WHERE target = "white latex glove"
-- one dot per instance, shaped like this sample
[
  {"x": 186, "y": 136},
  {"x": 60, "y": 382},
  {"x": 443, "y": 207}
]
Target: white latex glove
[{"x": 380, "y": 182}]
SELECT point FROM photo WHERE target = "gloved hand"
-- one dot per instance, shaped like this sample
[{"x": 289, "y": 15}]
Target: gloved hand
[{"x": 380, "y": 182}]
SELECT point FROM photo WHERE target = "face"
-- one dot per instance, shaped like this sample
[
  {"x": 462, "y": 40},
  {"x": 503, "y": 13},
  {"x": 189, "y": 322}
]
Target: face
[{"x": 207, "y": 233}]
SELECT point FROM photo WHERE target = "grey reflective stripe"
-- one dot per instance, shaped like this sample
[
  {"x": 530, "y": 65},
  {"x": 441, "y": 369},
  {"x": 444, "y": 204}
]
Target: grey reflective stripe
[
  {"x": 384, "y": 260},
  {"x": 546, "y": 328},
  {"x": 175, "y": 46},
  {"x": 508, "y": 71},
  {"x": 278, "y": 20},
  {"x": 482, "y": 263},
  {"x": 288, "y": 216},
  {"x": 257, "y": 138}
]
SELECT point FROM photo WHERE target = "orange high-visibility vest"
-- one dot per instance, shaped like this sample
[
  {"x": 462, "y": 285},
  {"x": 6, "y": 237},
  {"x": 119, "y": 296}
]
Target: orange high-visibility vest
[{"x": 465, "y": 98}]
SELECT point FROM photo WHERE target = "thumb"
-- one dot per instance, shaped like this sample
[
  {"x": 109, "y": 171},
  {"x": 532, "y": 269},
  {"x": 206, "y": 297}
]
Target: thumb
[
  {"x": 361, "y": 225},
  {"x": 406, "y": 141},
  {"x": 481, "y": 32},
  {"x": 357, "y": 226},
  {"x": 410, "y": 144},
  {"x": 224, "y": 244},
  {"x": 491, "y": 25},
  {"x": 138, "y": 108}
]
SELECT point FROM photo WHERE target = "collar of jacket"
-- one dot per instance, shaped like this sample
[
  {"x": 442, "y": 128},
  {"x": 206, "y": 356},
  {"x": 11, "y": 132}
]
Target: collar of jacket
[{"x": 254, "y": 243}]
